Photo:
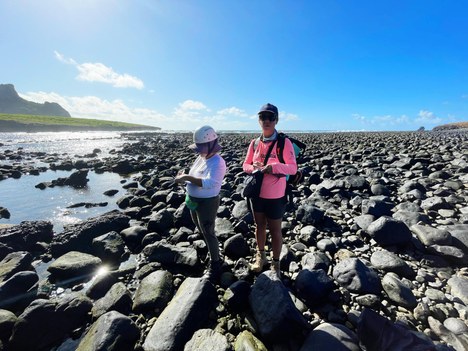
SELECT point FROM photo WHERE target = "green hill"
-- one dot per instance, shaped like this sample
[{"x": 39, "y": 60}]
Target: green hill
[
  {"x": 11, "y": 102},
  {"x": 31, "y": 123}
]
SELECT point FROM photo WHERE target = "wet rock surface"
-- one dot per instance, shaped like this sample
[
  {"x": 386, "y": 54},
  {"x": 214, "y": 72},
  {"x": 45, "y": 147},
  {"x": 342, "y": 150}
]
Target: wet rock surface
[{"x": 379, "y": 224}]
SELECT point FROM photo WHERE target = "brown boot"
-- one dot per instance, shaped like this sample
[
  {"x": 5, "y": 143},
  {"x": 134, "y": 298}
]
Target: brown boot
[
  {"x": 275, "y": 267},
  {"x": 260, "y": 261}
]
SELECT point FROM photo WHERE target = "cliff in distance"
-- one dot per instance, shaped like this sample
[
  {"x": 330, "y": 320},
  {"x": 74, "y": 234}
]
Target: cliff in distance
[
  {"x": 451, "y": 126},
  {"x": 11, "y": 102}
]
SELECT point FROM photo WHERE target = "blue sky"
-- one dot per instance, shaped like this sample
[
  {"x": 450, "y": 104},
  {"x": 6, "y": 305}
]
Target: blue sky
[{"x": 327, "y": 65}]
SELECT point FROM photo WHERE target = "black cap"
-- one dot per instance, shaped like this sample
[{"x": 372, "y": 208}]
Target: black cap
[{"x": 269, "y": 108}]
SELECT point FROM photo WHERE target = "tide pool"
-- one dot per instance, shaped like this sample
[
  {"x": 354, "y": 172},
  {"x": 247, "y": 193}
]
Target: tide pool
[{"x": 27, "y": 203}]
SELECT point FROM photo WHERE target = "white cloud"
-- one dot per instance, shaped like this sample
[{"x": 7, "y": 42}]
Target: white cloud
[
  {"x": 98, "y": 72},
  {"x": 97, "y": 108},
  {"x": 428, "y": 117},
  {"x": 402, "y": 119},
  {"x": 188, "y": 114},
  {"x": 63, "y": 59},
  {"x": 359, "y": 117},
  {"x": 190, "y": 111},
  {"x": 382, "y": 121},
  {"x": 192, "y": 105},
  {"x": 287, "y": 117},
  {"x": 232, "y": 111},
  {"x": 385, "y": 119}
]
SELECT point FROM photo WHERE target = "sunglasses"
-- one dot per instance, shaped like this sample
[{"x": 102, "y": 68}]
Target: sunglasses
[{"x": 267, "y": 116}]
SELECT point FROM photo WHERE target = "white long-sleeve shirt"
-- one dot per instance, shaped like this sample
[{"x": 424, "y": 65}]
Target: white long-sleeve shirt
[{"x": 211, "y": 171}]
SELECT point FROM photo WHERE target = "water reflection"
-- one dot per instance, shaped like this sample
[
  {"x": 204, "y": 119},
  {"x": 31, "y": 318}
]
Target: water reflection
[{"x": 27, "y": 203}]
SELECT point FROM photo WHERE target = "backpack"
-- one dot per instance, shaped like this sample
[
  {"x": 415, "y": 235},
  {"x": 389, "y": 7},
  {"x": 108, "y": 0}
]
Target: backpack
[
  {"x": 292, "y": 181},
  {"x": 298, "y": 146}
]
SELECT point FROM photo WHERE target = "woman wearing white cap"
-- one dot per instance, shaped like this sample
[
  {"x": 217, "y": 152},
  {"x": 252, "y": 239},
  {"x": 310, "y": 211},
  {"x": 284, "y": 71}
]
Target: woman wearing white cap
[{"x": 203, "y": 186}]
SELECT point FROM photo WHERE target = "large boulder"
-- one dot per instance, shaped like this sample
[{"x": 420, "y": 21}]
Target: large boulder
[
  {"x": 459, "y": 287},
  {"x": 459, "y": 237},
  {"x": 355, "y": 276},
  {"x": 398, "y": 292},
  {"x": 246, "y": 341},
  {"x": 79, "y": 237},
  {"x": 15, "y": 262},
  {"x": 390, "y": 262},
  {"x": 111, "y": 332},
  {"x": 75, "y": 266},
  {"x": 18, "y": 291},
  {"x": 109, "y": 247},
  {"x": 7, "y": 322},
  {"x": 186, "y": 312},
  {"x": 237, "y": 295},
  {"x": 376, "y": 332},
  {"x": 329, "y": 336},
  {"x": 153, "y": 293},
  {"x": 307, "y": 213},
  {"x": 47, "y": 322},
  {"x": 236, "y": 247},
  {"x": 161, "y": 221},
  {"x": 274, "y": 311},
  {"x": 171, "y": 255},
  {"x": 313, "y": 286},
  {"x": 24, "y": 236},
  {"x": 431, "y": 236},
  {"x": 387, "y": 231},
  {"x": 118, "y": 299},
  {"x": 376, "y": 207},
  {"x": 133, "y": 236},
  {"x": 207, "y": 339}
]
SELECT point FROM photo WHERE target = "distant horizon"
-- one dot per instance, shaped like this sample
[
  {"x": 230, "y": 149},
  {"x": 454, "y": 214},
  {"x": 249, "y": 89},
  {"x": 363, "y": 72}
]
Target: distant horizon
[
  {"x": 332, "y": 65},
  {"x": 250, "y": 131}
]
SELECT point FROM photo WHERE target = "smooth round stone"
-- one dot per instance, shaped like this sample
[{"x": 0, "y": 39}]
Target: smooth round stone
[
  {"x": 326, "y": 245},
  {"x": 456, "y": 326},
  {"x": 435, "y": 295},
  {"x": 447, "y": 213}
]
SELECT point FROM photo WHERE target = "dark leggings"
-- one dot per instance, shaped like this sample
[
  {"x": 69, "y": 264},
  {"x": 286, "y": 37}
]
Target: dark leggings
[{"x": 204, "y": 218}]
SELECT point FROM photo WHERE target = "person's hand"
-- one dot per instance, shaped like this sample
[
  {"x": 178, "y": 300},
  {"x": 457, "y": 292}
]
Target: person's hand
[
  {"x": 267, "y": 169},
  {"x": 257, "y": 165},
  {"x": 180, "y": 178}
]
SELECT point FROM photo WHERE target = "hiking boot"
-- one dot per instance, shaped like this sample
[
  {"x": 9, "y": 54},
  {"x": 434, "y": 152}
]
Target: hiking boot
[
  {"x": 275, "y": 267},
  {"x": 260, "y": 261},
  {"x": 213, "y": 272}
]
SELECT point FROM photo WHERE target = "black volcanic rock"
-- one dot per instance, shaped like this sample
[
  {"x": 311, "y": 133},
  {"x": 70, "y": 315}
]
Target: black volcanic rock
[{"x": 11, "y": 102}]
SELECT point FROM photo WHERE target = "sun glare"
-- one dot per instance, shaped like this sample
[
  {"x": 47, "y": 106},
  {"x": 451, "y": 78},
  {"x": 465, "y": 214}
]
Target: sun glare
[{"x": 102, "y": 270}]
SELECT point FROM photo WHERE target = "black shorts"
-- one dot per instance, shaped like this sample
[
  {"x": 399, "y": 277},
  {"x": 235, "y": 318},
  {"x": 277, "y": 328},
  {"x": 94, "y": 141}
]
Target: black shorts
[{"x": 272, "y": 208}]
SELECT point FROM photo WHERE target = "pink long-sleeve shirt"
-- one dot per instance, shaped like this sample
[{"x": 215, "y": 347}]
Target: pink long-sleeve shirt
[{"x": 274, "y": 184}]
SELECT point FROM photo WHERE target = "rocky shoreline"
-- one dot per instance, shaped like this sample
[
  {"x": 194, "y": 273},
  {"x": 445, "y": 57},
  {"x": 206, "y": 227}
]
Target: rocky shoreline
[{"x": 380, "y": 224}]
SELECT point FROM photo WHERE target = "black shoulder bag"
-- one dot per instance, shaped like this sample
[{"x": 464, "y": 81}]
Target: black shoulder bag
[{"x": 253, "y": 181}]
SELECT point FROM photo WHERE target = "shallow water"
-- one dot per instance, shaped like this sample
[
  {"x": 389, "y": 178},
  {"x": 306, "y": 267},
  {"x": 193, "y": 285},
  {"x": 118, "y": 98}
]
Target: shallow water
[
  {"x": 27, "y": 203},
  {"x": 73, "y": 143}
]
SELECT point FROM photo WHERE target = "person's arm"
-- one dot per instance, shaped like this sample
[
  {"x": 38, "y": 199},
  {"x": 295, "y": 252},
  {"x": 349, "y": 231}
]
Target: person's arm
[
  {"x": 188, "y": 178},
  {"x": 247, "y": 166},
  {"x": 289, "y": 166}
]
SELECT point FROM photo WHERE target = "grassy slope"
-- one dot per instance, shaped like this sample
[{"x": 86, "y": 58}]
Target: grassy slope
[{"x": 69, "y": 121}]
